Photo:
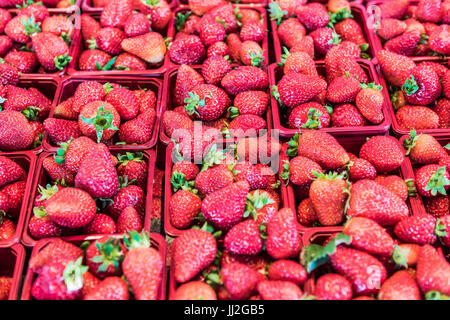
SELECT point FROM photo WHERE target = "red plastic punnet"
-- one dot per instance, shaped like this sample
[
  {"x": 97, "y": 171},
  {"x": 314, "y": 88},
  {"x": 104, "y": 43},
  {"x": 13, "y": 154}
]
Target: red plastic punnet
[
  {"x": 27, "y": 160},
  {"x": 169, "y": 87},
  {"x": 262, "y": 11},
  {"x": 443, "y": 139},
  {"x": 73, "y": 69},
  {"x": 360, "y": 16},
  {"x": 157, "y": 242},
  {"x": 69, "y": 84},
  {"x": 87, "y": 6},
  {"x": 12, "y": 260},
  {"x": 396, "y": 128},
  {"x": 275, "y": 75},
  {"x": 41, "y": 178},
  {"x": 353, "y": 145}
]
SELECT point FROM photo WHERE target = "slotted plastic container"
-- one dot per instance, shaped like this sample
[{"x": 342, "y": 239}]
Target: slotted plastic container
[
  {"x": 353, "y": 145},
  {"x": 69, "y": 84},
  {"x": 41, "y": 178},
  {"x": 157, "y": 242},
  {"x": 12, "y": 260},
  {"x": 443, "y": 139},
  {"x": 264, "y": 44},
  {"x": 275, "y": 75},
  {"x": 26, "y": 160},
  {"x": 396, "y": 128},
  {"x": 74, "y": 70},
  {"x": 167, "y": 105},
  {"x": 87, "y": 6},
  {"x": 360, "y": 16}
]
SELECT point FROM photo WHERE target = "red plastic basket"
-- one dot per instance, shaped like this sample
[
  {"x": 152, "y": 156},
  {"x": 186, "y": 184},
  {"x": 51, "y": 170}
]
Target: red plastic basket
[
  {"x": 265, "y": 43},
  {"x": 397, "y": 129},
  {"x": 353, "y": 145},
  {"x": 73, "y": 70},
  {"x": 41, "y": 178},
  {"x": 12, "y": 260},
  {"x": 69, "y": 84},
  {"x": 86, "y": 6},
  {"x": 27, "y": 160},
  {"x": 157, "y": 241},
  {"x": 169, "y": 87},
  {"x": 443, "y": 139},
  {"x": 275, "y": 75},
  {"x": 360, "y": 16}
]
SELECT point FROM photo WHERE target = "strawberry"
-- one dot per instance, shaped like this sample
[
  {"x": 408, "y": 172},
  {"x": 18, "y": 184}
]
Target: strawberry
[
  {"x": 244, "y": 238},
  {"x": 89, "y": 27},
  {"x": 86, "y": 92},
  {"x": 211, "y": 32},
  {"x": 19, "y": 99},
  {"x": 42, "y": 226},
  {"x": 226, "y": 15},
  {"x": 402, "y": 188},
  {"x": 5, "y": 45},
  {"x": 133, "y": 166},
  {"x": 129, "y": 196},
  {"x": 400, "y": 286},
  {"x": 404, "y": 44},
  {"x": 200, "y": 7},
  {"x": 370, "y": 102},
  {"x": 394, "y": 9},
  {"x": 291, "y": 31},
  {"x": 300, "y": 170},
  {"x": 347, "y": 115},
  {"x": 343, "y": 89},
  {"x": 247, "y": 125},
  {"x": 207, "y": 101},
  {"x": 421, "y": 86},
  {"x": 5, "y": 16},
  {"x": 10, "y": 171},
  {"x": 246, "y": 171},
  {"x": 214, "y": 69},
  {"x": 429, "y": 11},
  {"x": 239, "y": 279},
  {"x": 438, "y": 40},
  {"x": 187, "y": 259},
  {"x": 417, "y": 117},
  {"x": 433, "y": 271},
  {"x": 108, "y": 40},
  {"x": 7, "y": 229},
  {"x": 146, "y": 99},
  {"x": 126, "y": 61},
  {"x": 213, "y": 179},
  {"x": 5, "y": 287},
  {"x": 349, "y": 30},
  {"x": 138, "y": 130},
  {"x": 58, "y": 172},
  {"x": 116, "y": 13},
  {"x": 283, "y": 240},
  {"x": 419, "y": 229},
  {"x": 338, "y": 63},
  {"x": 159, "y": 13},
  {"x": 395, "y": 67},
  {"x": 174, "y": 122},
  {"x": 362, "y": 169},
  {"x": 8, "y": 74},
  {"x": 184, "y": 206},
  {"x": 324, "y": 40},
  {"x": 252, "y": 31},
  {"x": 279, "y": 290},
  {"x": 234, "y": 44},
  {"x": 245, "y": 78},
  {"x": 195, "y": 290},
  {"x": 150, "y": 47},
  {"x": 446, "y": 84},
  {"x": 36, "y": 10},
  {"x": 16, "y": 133},
  {"x": 385, "y": 153},
  {"x": 129, "y": 220},
  {"x": 333, "y": 287},
  {"x": 42, "y": 102},
  {"x": 124, "y": 101},
  {"x": 306, "y": 215},
  {"x": 15, "y": 192},
  {"x": 21, "y": 28},
  {"x": 95, "y": 60},
  {"x": 296, "y": 88},
  {"x": 251, "y": 54},
  {"x": 99, "y": 120},
  {"x": 60, "y": 26},
  {"x": 218, "y": 48},
  {"x": 185, "y": 170},
  {"x": 313, "y": 16},
  {"x": 101, "y": 224},
  {"x": 262, "y": 205},
  {"x": 287, "y": 270},
  {"x": 443, "y": 230},
  {"x": 423, "y": 148},
  {"x": 390, "y": 28},
  {"x": 55, "y": 251},
  {"x": 437, "y": 206},
  {"x": 137, "y": 24},
  {"x": 432, "y": 179},
  {"x": 112, "y": 288},
  {"x": 103, "y": 257},
  {"x": 305, "y": 45},
  {"x": 74, "y": 152},
  {"x": 97, "y": 174},
  {"x": 299, "y": 62},
  {"x": 187, "y": 80},
  {"x": 249, "y": 102},
  {"x": 188, "y": 50},
  {"x": 370, "y": 200},
  {"x": 51, "y": 51}
]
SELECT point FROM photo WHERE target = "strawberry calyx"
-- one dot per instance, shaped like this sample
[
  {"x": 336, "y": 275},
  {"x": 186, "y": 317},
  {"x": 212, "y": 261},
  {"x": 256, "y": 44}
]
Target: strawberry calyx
[
  {"x": 335, "y": 39},
  {"x": 284, "y": 57},
  {"x": 410, "y": 142},
  {"x": 292, "y": 150},
  {"x": 108, "y": 87},
  {"x": 102, "y": 121},
  {"x": 62, "y": 60},
  {"x": 124, "y": 159},
  {"x": 313, "y": 121},
  {"x": 397, "y": 99},
  {"x": 209, "y": 228},
  {"x": 92, "y": 44},
  {"x": 447, "y": 146},
  {"x": 314, "y": 255},
  {"x": 276, "y": 14},
  {"x": 39, "y": 212},
  {"x": 31, "y": 26},
  {"x": 47, "y": 192},
  {"x": 137, "y": 240},
  {"x": 437, "y": 183},
  {"x": 193, "y": 102},
  {"x": 256, "y": 202},
  {"x": 410, "y": 184},
  {"x": 222, "y": 22},
  {"x": 123, "y": 181},
  {"x": 364, "y": 47},
  {"x": 423, "y": 38},
  {"x": 436, "y": 295},
  {"x": 399, "y": 257},
  {"x": 73, "y": 275},
  {"x": 338, "y": 16},
  {"x": 111, "y": 254},
  {"x": 67, "y": 37},
  {"x": 410, "y": 86},
  {"x": 276, "y": 95},
  {"x": 256, "y": 58},
  {"x": 107, "y": 66},
  {"x": 285, "y": 174},
  {"x": 178, "y": 182},
  {"x": 238, "y": 15},
  {"x": 347, "y": 191},
  {"x": 371, "y": 86},
  {"x": 31, "y": 113},
  {"x": 60, "y": 156},
  {"x": 151, "y": 3},
  {"x": 213, "y": 157},
  {"x": 180, "y": 20},
  {"x": 440, "y": 229},
  {"x": 233, "y": 112}
]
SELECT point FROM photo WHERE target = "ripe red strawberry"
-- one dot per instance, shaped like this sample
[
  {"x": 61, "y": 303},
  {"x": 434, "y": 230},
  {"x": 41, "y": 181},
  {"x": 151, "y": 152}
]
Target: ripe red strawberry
[
  {"x": 36, "y": 10},
  {"x": 244, "y": 238},
  {"x": 225, "y": 207},
  {"x": 188, "y": 260},
  {"x": 187, "y": 80},
  {"x": 214, "y": 69},
  {"x": 432, "y": 179},
  {"x": 291, "y": 31},
  {"x": 296, "y": 88},
  {"x": 98, "y": 120},
  {"x": 437, "y": 206},
  {"x": 442, "y": 110},
  {"x": 402, "y": 188},
  {"x": 87, "y": 92},
  {"x": 333, "y": 287},
  {"x": 299, "y": 62},
  {"x": 74, "y": 213},
  {"x": 58, "y": 172},
  {"x": 338, "y": 63},
  {"x": 89, "y": 27},
  {"x": 251, "y": 54},
  {"x": 146, "y": 99},
  {"x": 129, "y": 196},
  {"x": 136, "y": 25},
  {"x": 89, "y": 283},
  {"x": 187, "y": 169},
  {"x": 5, "y": 16},
  {"x": 324, "y": 40},
  {"x": 19, "y": 99},
  {"x": 51, "y": 51},
  {"x": 101, "y": 224},
  {"x": 262, "y": 205},
  {"x": 138, "y": 130},
  {"x": 5, "y": 287},
  {"x": 246, "y": 171},
  {"x": 207, "y": 101},
  {"x": 42, "y": 102},
  {"x": 239, "y": 279},
  {"x": 433, "y": 271},
  {"x": 287, "y": 270},
  {"x": 404, "y": 44},
  {"x": 305, "y": 45},
  {"x": 104, "y": 256},
  {"x": 129, "y": 220},
  {"x": 443, "y": 230},
  {"x": 188, "y": 50},
  {"x": 417, "y": 117},
  {"x": 10, "y": 171},
  {"x": 42, "y": 226},
  {"x": 400, "y": 286},
  {"x": 421, "y": 86},
  {"x": 234, "y": 44},
  {"x": 218, "y": 49},
  {"x": 313, "y": 16},
  {"x": 279, "y": 290},
  {"x": 385, "y": 153},
  {"x": 306, "y": 215},
  {"x": 174, "y": 122},
  {"x": 150, "y": 47},
  {"x": 5, "y": 45},
  {"x": 134, "y": 167},
  {"x": 16, "y": 132},
  {"x": 394, "y": 9},
  {"x": 211, "y": 32},
  {"x": 159, "y": 13},
  {"x": 21, "y": 28},
  {"x": 184, "y": 206},
  {"x": 249, "y": 102},
  {"x": 126, "y": 61},
  {"x": 195, "y": 290},
  {"x": 283, "y": 240},
  {"x": 362, "y": 169},
  {"x": 108, "y": 40},
  {"x": 419, "y": 229},
  {"x": 370, "y": 102},
  {"x": 446, "y": 84},
  {"x": 8, "y": 74},
  {"x": 124, "y": 101},
  {"x": 438, "y": 40},
  {"x": 395, "y": 67},
  {"x": 116, "y": 13},
  {"x": 370, "y": 200},
  {"x": 347, "y": 115},
  {"x": 423, "y": 148},
  {"x": 112, "y": 288},
  {"x": 73, "y": 153},
  {"x": 300, "y": 171},
  {"x": 429, "y": 11},
  {"x": 213, "y": 179},
  {"x": 59, "y": 26},
  {"x": 390, "y": 28},
  {"x": 15, "y": 193},
  {"x": 245, "y": 78},
  {"x": 7, "y": 228},
  {"x": 252, "y": 31},
  {"x": 343, "y": 89},
  {"x": 246, "y": 125}
]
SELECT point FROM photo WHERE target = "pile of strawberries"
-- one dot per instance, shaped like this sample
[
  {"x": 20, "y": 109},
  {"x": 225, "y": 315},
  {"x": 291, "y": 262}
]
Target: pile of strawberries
[
  {"x": 60, "y": 4},
  {"x": 105, "y": 269},
  {"x": 33, "y": 40},
  {"x": 414, "y": 28},
  {"x": 22, "y": 114},
  {"x": 215, "y": 28},
  {"x": 89, "y": 191},
  {"x": 123, "y": 39},
  {"x": 420, "y": 91},
  {"x": 13, "y": 183},
  {"x": 99, "y": 111},
  {"x": 314, "y": 28}
]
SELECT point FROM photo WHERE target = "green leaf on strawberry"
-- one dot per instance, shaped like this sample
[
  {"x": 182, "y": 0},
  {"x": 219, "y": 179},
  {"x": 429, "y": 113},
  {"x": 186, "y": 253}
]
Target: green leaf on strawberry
[
  {"x": 102, "y": 121},
  {"x": 438, "y": 182}
]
